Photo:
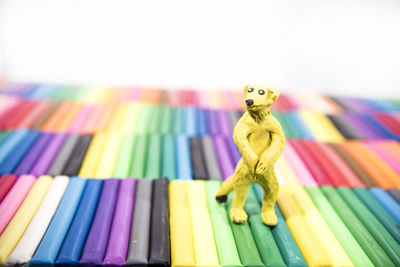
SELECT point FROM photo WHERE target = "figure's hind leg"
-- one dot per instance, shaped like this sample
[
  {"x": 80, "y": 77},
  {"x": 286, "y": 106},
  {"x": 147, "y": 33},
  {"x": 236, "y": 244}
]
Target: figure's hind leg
[{"x": 271, "y": 190}]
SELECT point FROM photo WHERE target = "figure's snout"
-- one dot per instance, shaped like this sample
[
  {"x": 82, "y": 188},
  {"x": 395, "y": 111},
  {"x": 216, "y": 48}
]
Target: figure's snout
[{"x": 249, "y": 102}]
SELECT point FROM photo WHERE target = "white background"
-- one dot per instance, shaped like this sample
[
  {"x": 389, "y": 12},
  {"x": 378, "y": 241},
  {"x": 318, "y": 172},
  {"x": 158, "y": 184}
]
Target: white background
[{"x": 338, "y": 46}]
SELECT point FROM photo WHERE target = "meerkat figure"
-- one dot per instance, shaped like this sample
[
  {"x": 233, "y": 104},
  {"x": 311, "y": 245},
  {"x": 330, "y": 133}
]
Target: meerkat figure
[{"x": 260, "y": 140}]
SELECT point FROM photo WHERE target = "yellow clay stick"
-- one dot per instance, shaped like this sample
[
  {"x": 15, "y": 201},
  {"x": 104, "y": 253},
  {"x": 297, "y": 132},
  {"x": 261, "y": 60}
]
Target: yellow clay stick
[
  {"x": 205, "y": 250},
  {"x": 93, "y": 155},
  {"x": 130, "y": 120},
  {"x": 286, "y": 171},
  {"x": 182, "y": 252},
  {"x": 110, "y": 155},
  {"x": 322, "y": 129},
  {"x": 17, "y": 226},
  {"x": 321, "y": 230},
  {"x": 314, "y": 254},
  {"x": 117, "y": 118},
  {"x": 334, "y": 133}
]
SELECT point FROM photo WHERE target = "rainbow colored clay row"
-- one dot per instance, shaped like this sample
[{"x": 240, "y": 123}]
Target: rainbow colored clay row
[{"x": 223, "y": 99}]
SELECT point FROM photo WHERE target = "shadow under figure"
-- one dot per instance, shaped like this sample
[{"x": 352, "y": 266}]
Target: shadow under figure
[{"x": 260, "y": 140}]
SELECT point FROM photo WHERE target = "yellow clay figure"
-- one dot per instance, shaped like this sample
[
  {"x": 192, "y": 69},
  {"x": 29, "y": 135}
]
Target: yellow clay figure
[{"x": 260, "y": 140}]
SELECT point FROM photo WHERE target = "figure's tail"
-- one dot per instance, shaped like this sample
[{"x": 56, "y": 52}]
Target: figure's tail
[{"x": 225, "y": 189}]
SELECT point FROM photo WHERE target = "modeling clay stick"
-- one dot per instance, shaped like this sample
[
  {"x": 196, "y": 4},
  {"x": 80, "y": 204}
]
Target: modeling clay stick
[
  {"x": 124, "y": 158},
  {"x": 378, "y": 170},
  {"x": 233, "y": 150},
  {"x": 109, "y": 156},
  {"x": 361, "y": 126},
  {"x": 262, "y": 234},
  {"x": 17, "y": 226},
  {"x": 178, "y": 121},
  {"x": 96, "y": 242},
  {"x": 191, "y": 121},
  {"x": 393, "y": 163},
  {"x": 153, "y": 162},
  {"x": 394, "y": 193},
  {"x": 159, "y": 253},
  {"x": 286, "y": 171},
  {"x": 14, "y": 119},
  {"x": 154, "y": 127},
  {"x": 9, "y": 144},
  {"x": 81, "y": 119},
  {"x": 287, "y": 120},
  {"x": 74, "y": 162},
  {"x": 331, "y": 172},
  {"x": 303, "y": 174},
  {"x": 16, "y": 155},
  {"x": 387, "y": 202},
  {"x": 344, "y": 171},
  {"x": 103, "y": 118},
  {"x": 233, "y": 116},
  {"x": 131, "y": 118},
  {"x": 354, "y": 165},
  {"x": 197, "y": 156},
  {"x": 182, "y": 251},
  {"x": 26, "y": 165},
  {"x": 90, "y": 122},
  {"x": 345, "y": 128},
  {"x": 211, "y": 160},
  {"x": 143, "y": 123},
  {"x": 51, "y": 243},
  {"x": 300, "y": 126},
  {"x": 139, "y": 157},
  {"x": 169, "y": 157},
  {"x": 7, "y": 181},
  {"x": 45, "y": 160},
  {"x": 312, "y": 166},
  {"x": 4, "y": 136},
  {"x": 390, "y": 147},
  {"x": 224, "y": 240},
  {"x": 377, "y": 230},
  {"x": 224, "y": 122},
  {"x": 140, "y": 225},
  {"x": 94, "y": 153},
  {"x": 64, "y": 153},
  {"x": 322, "y": 232},
  {"x": 312, "y": 250},
  {"x": 26, "y": 247},
  {"x": 213, "y": 126},
  {"x": 379, "y": 211},
  {"x": 202, "y": 122},
  {"x": 67, "y": 118},
  {"x": 14, "y": 198},
  {"x": 284, "y": 124},
  {"x": 203, "y": 238},
  {"x": 342, "y": 234},
  {"x": 79, "y": 229},
  {"x": 166, "y": 120},
  {"x": 184, "y": 168},
  {"x": 119, "y": 236},
  {"x": 334, "y": 133},
  {"x": 245, "y": 244},
  {"x": 51, "y": 124},
  {"x": 224, "y": 159},
  {"x": 375, "y": 253},
  {"x": 116, "y": 120},
  {"x": 283, "y": 238}
]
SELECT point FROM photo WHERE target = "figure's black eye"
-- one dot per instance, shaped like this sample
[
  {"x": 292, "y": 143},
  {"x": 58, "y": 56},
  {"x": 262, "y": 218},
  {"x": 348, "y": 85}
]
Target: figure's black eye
[
  {"x": 261, "y": 92},
  {"x": 250, "y": 90}
]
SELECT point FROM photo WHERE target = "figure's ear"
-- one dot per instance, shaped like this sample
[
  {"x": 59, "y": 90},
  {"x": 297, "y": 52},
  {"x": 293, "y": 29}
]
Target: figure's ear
[{"x": 273, "y": 95}]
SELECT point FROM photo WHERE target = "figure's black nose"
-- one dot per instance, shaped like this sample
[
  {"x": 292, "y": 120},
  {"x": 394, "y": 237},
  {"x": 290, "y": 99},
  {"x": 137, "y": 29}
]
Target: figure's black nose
[{"x": 249, "y": 102}]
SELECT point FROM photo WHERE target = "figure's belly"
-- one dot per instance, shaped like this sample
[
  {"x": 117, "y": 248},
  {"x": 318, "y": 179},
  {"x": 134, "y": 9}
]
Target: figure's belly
[{"x": 259, "y": 141}]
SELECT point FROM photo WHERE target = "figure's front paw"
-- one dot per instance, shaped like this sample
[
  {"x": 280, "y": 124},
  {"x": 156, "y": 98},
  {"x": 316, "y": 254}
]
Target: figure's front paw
[
  {"x": 262, "y": 168},
  {"x": 269, "y": 217},
  {"x": 238, "y": 215}
]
